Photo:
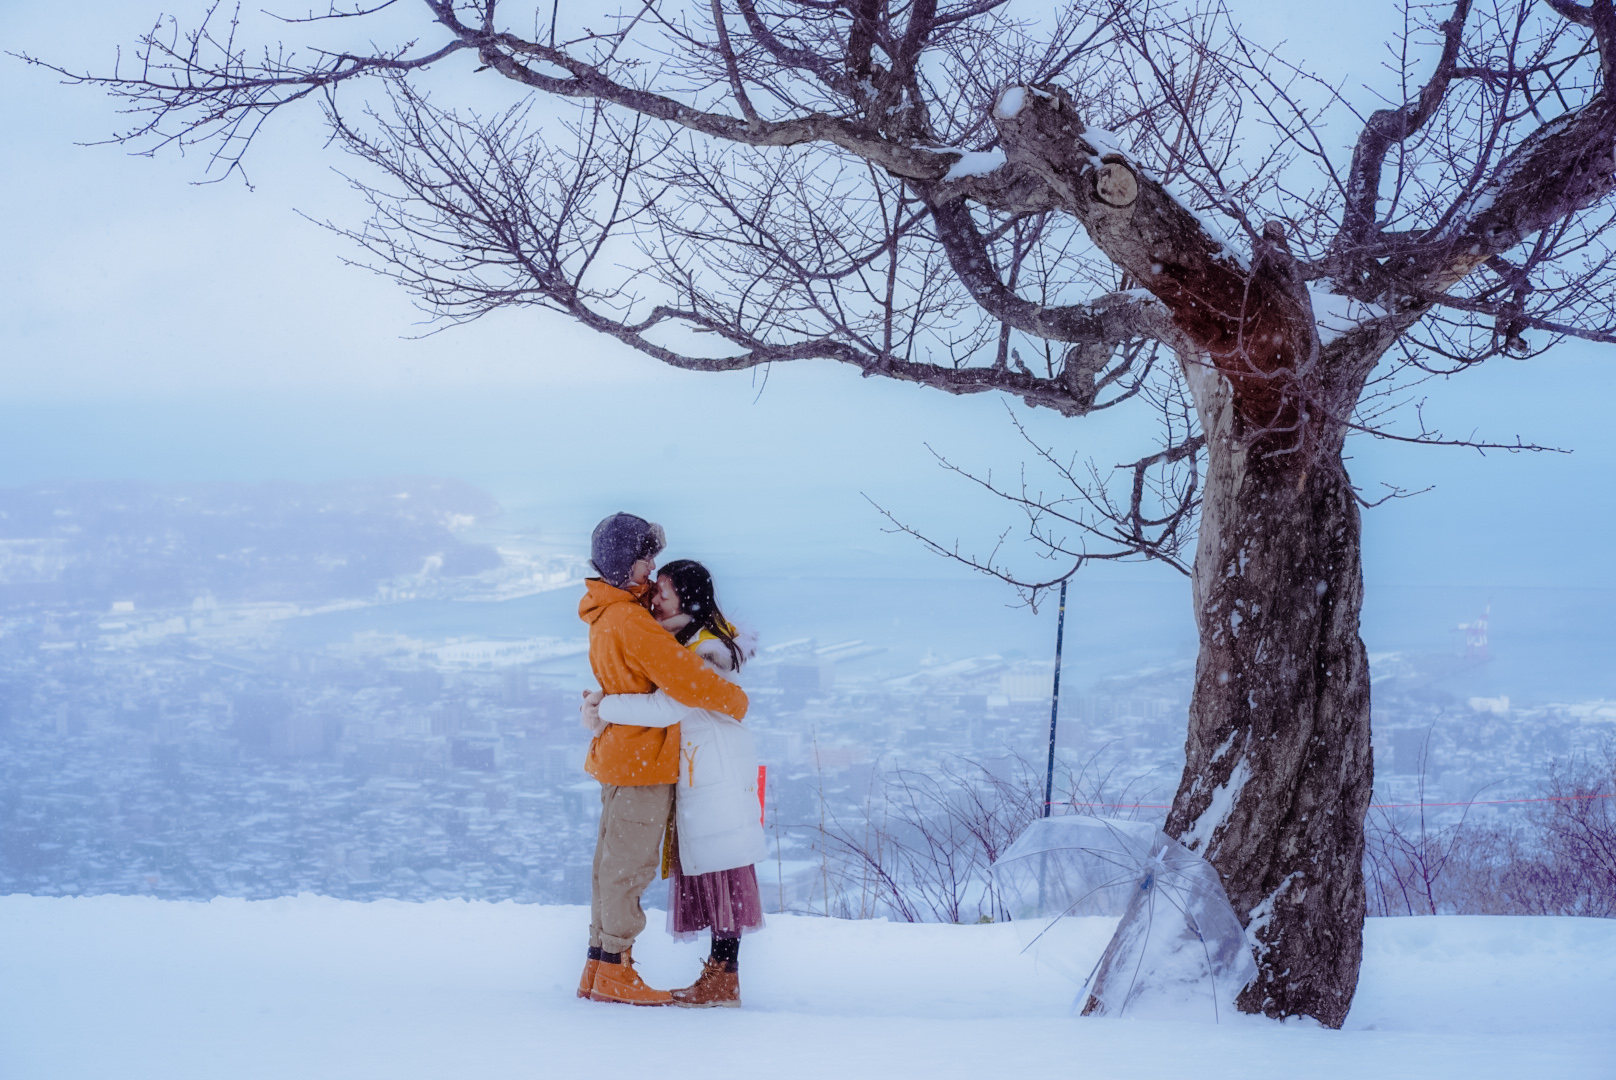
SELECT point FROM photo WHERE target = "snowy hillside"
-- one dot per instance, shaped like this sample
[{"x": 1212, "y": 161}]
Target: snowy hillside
[{"x": 311, "y": 987}]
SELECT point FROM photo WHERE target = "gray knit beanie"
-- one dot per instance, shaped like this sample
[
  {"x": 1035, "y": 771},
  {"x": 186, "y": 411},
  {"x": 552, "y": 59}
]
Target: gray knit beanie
[{"x": 621, "y": 541}]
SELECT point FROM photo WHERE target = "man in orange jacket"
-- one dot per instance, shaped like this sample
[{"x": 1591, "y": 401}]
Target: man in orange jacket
[{"x": 637, "y": 767}]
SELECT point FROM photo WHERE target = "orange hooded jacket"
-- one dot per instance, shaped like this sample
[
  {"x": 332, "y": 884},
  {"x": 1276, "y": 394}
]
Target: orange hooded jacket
[{"x": 631, "y": 653}]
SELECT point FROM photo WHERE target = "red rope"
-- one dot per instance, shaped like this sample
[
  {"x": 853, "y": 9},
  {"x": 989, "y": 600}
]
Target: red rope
[
  {"x": 1488, "y": 802},
  {"x": 1372, "y": 806}
]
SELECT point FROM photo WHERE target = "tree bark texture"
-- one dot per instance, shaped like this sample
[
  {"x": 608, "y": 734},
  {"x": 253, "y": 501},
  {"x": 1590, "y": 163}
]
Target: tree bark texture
[{"x": 1278, "y": 772}]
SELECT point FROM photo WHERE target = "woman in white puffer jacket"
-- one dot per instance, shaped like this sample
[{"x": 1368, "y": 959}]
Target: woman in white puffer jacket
[{"x": 717, "y": 827}]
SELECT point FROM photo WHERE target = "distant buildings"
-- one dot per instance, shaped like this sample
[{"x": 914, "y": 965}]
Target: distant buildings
[{"x": 198, "y": 751}]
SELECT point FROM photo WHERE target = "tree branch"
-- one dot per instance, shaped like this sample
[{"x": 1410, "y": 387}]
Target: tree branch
[{"x": 1388, "y": 127}]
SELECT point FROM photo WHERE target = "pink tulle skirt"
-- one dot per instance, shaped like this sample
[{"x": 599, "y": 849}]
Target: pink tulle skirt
[{"x": 725, "y": 902}]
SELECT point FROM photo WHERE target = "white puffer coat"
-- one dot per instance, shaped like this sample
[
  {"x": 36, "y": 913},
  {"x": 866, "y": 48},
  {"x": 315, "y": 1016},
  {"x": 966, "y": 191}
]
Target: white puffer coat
[{"x": 716, "y": 807}]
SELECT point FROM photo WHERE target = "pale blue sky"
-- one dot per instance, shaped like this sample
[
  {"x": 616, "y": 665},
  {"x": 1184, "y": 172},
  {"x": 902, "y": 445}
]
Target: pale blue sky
[{"x": 154, "y": 329}]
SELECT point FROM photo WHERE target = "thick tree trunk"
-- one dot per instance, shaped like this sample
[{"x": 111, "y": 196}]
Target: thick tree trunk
[{"x": 1278, "y": 772}]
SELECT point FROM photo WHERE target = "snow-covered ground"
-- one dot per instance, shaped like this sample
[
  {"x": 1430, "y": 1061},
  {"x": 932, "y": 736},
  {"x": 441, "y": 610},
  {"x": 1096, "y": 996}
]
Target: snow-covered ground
[{"x": 126, "y": 987}]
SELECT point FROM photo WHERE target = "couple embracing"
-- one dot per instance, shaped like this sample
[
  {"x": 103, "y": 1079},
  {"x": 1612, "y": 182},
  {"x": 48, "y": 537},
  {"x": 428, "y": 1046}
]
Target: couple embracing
[{"x": 677, "y": 770}]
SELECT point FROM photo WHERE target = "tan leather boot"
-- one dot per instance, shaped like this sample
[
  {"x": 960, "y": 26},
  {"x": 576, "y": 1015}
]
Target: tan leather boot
[
  {"x": 587, "y": 982},
  {"x": 716, "y": 988},
  {"x": 619, "y": 982}
]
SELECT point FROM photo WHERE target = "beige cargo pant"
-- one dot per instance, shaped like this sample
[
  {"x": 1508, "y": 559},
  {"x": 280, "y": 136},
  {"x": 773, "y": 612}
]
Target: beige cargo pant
[{"x": 628, "y": 854}]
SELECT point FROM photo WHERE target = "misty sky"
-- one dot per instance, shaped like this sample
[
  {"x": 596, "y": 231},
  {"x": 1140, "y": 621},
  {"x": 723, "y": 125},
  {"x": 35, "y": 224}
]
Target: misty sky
[{"x": 155, "y": 329}]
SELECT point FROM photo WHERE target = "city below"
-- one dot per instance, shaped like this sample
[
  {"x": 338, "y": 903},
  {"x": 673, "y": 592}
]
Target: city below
[{"x": 207, "y": 745}]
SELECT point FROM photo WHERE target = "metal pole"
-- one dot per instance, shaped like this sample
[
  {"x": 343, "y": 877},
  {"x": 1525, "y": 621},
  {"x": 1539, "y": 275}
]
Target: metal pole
[{"x": 1054, "y": 704}]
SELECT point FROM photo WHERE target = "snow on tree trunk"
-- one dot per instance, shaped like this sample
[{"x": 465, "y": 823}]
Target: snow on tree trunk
[{"x": 1278, "y": 772}]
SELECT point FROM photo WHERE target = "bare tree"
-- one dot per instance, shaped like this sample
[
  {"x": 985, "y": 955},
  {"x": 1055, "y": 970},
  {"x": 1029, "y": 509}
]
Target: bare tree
[
  {"x": 968, "y": 196},
  {"x": 1409, "y": 854},
  {"x": 1578, "y": 827},
  {"x": 925, "y": 842},
  {"x": 1561, "y": 860}
]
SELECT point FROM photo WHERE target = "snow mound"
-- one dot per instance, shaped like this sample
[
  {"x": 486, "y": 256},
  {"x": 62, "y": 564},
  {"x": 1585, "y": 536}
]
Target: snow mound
[{"x": 311, "y": 987}]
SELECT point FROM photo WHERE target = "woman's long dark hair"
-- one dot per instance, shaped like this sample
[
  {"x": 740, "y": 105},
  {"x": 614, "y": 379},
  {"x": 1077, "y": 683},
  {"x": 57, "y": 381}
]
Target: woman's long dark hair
[{"x": 694, "y": 587}]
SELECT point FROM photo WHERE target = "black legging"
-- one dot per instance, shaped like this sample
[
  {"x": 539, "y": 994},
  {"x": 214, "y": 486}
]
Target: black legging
[{"x": 727, "y": 951}]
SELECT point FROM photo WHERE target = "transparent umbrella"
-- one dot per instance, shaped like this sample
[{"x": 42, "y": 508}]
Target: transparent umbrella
[{"x": 1178, "y": 949}]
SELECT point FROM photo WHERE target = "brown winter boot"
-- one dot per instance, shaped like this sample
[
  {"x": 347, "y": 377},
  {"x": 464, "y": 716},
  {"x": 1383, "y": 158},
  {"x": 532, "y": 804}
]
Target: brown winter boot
[
  {"x": 718, "y": 987},
  {"x": 617, "y": 981},
  {"x": 587, "y": 983}
]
